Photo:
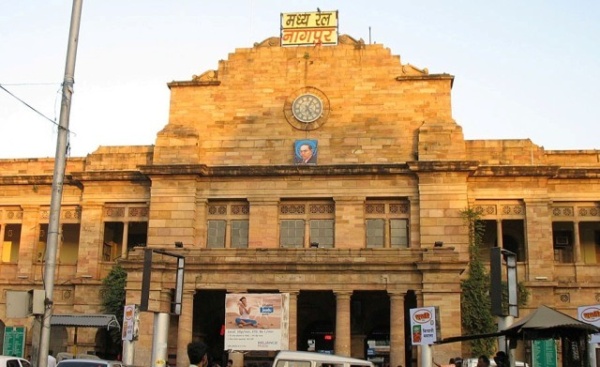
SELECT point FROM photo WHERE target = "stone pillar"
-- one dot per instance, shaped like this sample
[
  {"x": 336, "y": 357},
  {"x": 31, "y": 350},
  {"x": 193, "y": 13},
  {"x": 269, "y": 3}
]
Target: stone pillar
[
  {"x": 125, "y": 243},
  {"x": 185, "y": 327},
  {"x": 499, "y": 237},
  {"x": 397, "y": 351},
  {"x": 293, "y": 314},
  {"x": 2, "y": 229},
  {"x": 576, "y": 243},
  {"x": 342, "y": 323}
]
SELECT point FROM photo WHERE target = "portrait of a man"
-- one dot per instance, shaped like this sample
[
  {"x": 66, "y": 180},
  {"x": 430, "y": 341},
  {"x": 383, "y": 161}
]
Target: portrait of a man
[{"x": 305, "y": 151}]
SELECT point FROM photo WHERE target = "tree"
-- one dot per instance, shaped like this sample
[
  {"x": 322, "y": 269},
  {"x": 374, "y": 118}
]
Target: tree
[
  {"x": 476, "y": 310},
  {"x": 113, "y": 297}
]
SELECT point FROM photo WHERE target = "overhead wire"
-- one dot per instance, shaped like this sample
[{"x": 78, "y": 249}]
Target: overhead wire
[{"x": 29, "y": 106}]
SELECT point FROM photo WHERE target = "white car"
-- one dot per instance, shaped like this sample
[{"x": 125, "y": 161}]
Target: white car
[
  {"x": 7, "y": 361},
  {"x": 89, "y": 363},
  {"x": 472, "y": 362}
]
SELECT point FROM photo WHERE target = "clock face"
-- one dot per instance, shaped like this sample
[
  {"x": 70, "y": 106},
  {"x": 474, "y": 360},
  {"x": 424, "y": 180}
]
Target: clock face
[{"x": 307, "y": 108}]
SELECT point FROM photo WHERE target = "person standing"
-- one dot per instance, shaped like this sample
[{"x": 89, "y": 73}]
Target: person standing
[
  {"x": 51, "y": 359},
  {"x": 501, "y": 359},
  {"x": 197, "y": 354},
  {"x": 483, "y": 361}
]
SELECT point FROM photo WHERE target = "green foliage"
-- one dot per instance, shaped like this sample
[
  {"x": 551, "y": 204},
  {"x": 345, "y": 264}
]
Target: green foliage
[
  {"x": 522, "y": 294},
  {"x": 113, "y": 297},
  {"x": 476, "y": 312}
]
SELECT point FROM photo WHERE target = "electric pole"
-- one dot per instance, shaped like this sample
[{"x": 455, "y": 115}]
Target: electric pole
[{"x": 58, "y": 181}]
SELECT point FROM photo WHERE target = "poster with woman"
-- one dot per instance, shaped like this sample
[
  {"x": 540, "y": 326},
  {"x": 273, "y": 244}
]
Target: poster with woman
[{"x": 256, "y": 321}]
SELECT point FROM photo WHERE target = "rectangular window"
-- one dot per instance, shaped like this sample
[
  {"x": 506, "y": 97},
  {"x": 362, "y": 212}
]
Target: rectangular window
[
  {"x": 11, "y": 243},
  {"x": 306, "y": 224},
  {"x": 69, "y": 244},
  {"x": 216, "y": 234},
  {"x": 322, "y": 232},
  {"x": 503, "y": 225},
  {"x": 114, "y": 232},
  {"x": 513, "y": 237},
  {"x": 562, "y": 238},
  {"x": 228, "y": 224},
  {"x": 292, "y": 233},
  {"x": 375, "y": 233},
  {"x": 386, "y": 223},
  {"x": 40, "y": 254},
  {"x": 399, "y": 233},
  {"x": 489, "y": 238},
  {"x": 239, "y": 233}
]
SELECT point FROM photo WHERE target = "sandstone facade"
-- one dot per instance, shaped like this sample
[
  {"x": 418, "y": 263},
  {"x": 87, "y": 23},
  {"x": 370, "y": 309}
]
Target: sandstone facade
[{"x": 393, "y": 174}]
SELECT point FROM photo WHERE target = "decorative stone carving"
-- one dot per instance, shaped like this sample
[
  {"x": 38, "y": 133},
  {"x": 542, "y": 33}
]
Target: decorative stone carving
[
  {"x": 269, "y": 42},
  {"x": 409, "y": 69},
  {"x": 207, "y": 76},
  {"x": 345, "y": 39}
]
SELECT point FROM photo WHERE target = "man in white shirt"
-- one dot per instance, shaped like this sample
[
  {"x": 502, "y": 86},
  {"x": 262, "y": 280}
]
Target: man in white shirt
[{"x": 51, "y": 359}]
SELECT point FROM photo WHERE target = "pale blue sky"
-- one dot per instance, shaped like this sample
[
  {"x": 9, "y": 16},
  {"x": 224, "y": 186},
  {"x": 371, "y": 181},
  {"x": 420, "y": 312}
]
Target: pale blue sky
[{"x": 523, "y": 69}]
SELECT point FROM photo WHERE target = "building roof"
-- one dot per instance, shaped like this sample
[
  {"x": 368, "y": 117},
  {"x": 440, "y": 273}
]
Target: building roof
[{"x": 85, "y": 320}]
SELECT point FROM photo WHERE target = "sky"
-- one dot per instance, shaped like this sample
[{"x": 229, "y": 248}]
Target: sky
[{"x": 523, "y": 69}]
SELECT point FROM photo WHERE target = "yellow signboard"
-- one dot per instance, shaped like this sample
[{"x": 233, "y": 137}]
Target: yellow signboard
[{"x": 317, "y": 28}]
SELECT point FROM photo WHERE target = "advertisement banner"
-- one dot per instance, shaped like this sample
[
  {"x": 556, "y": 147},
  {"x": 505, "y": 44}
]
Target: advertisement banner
[
  {"x": 256, "y": 321},
  {"x": 130, "y": 323},
  {"x": 424, "y": 325},
  {"x": 591, "y": 315}
]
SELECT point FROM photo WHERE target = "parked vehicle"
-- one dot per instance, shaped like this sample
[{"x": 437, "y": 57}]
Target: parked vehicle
[
  {"x": 472, "y": 362},
  {"x": 289, "y": 358},
  {"x": 89, "y": 363},
  {"x": 8, "y": 361}
]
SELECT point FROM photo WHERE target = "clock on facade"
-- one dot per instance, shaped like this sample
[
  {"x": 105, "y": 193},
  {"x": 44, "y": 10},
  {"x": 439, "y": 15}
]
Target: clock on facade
[{"x": 307, "y": 108}]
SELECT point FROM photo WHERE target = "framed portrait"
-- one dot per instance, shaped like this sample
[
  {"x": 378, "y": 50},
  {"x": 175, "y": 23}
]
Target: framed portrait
[{"x": 305, "y": 151}]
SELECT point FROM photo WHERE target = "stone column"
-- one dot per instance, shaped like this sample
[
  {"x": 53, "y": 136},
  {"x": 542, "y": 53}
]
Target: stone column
[
  {"x": 2, "y": 229},
  {"x": 125, "y": 243},
  {"x": 293, "y": 314},
  {"x": 576, "y": 243},
  {"x": 185, "y": 327},
  {"x": 342, "y": 323},
  {"x": 397, "y": 351},
  {"x": 499, "y": 236}
]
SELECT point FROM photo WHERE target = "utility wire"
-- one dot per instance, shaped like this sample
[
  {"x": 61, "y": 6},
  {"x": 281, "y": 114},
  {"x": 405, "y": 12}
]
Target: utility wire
[{"x": 26, "y": 104}]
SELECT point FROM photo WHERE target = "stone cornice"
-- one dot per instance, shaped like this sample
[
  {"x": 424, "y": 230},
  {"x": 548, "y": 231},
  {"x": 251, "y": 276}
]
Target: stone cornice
[
  {"x": 36, "y": 180},
  {"x": 514, "y": 171},
  {"x": 194, "y": 83},
  {"x": 132, "y": 176},
  {"x": 279, "y": 259},
  {"x": 288, "y": 170},
  {"x": 443, "y": 166},
  {"x": 405, "y": 78},
  {"x": 578, "y": 172}
]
